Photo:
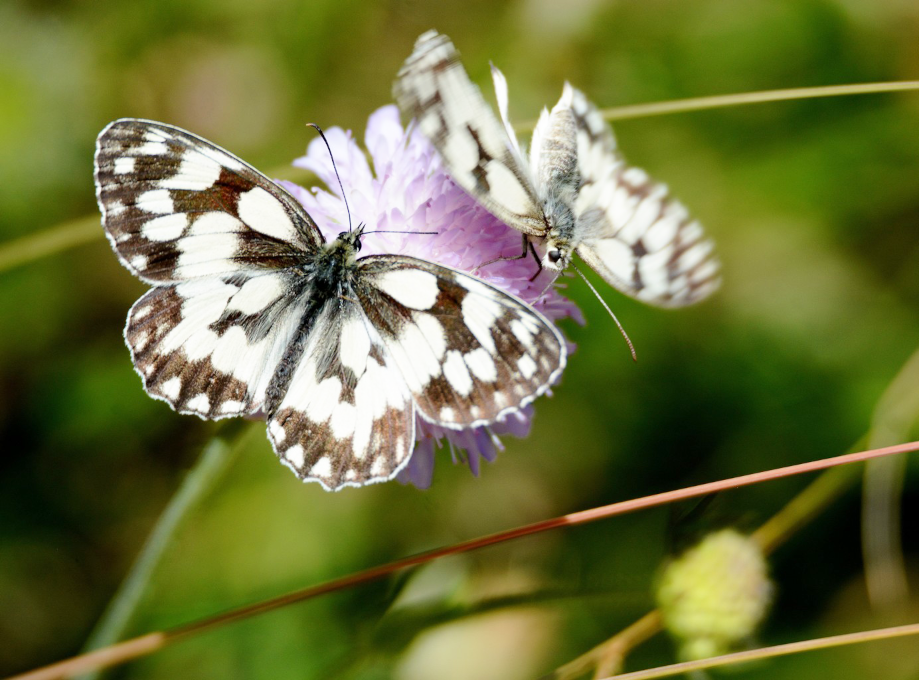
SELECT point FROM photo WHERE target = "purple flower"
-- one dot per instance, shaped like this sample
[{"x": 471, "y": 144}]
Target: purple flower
[{"x": 407, "y": 189}]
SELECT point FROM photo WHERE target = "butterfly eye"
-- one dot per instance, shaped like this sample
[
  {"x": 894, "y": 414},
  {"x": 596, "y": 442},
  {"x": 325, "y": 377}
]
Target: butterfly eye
[{"x": 555, "y": 255}]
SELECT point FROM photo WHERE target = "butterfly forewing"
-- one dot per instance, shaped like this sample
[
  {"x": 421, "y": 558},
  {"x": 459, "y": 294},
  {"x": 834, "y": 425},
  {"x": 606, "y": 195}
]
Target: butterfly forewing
[
  {"x": 631, "y": 231},
  {"x": 176, "y": 207},
  {"x": 468, "y": 352},
  {"x": 433, "y": 87}
]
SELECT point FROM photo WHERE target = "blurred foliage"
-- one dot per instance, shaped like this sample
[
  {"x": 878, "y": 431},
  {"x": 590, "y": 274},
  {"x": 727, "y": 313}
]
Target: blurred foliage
[{"x": 815, "y": 209}]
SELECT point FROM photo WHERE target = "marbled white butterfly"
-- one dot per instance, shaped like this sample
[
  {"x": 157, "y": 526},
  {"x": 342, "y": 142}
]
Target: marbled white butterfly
[
  {"x": 252, "y": 311},
  {"x": 575, "y": 195}
]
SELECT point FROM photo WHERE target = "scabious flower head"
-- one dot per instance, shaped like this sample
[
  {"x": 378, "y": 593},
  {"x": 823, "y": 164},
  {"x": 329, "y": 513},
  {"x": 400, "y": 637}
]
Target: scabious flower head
[
  {"x": 405, "y": 188},
  {"x": 715, "y": 594}
]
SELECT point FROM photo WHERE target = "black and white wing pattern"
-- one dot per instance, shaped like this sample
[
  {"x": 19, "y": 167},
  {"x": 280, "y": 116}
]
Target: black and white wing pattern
[
  {"x": 220, "y": 241},
  {"x": 629, "y": 229},
  {"x": 251, "y": 311},
  {"x": 574, "y": 193},
  {"x": 482, "y": 157},
  {"x": 408, "y": 336}
]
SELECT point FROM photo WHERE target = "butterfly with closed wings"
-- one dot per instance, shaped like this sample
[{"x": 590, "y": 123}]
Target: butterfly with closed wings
[
  {"x": 575, "y": 195},
  {"x": 253, "y": 312}
]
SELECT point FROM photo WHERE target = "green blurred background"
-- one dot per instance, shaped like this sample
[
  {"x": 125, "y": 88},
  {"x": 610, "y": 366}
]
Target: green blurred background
[{"x": 815, "y": 209}]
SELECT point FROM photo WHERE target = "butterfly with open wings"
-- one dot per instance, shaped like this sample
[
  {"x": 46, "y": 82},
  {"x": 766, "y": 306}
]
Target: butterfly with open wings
[
  {"x": 574, "y": 195},
  {"x": 251, "y": 311}
]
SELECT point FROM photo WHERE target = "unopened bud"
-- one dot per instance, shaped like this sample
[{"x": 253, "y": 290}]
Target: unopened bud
[{"x": 715, "y": 594}]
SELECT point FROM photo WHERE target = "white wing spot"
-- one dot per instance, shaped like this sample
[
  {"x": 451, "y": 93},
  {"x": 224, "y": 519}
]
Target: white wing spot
[
  {"x": 433, "y": 332},
  {"x": 140, "y": 340},
  {"x": 124, "y": 165},
  {"x": 416, "y": 355},
  {"x": 616, "y": 256},
  {"x": 165, "y": 228},
  {"x": 323, "y": 400},
  {"x": 263, "y": 212},
  {"x": 457, "y": 373},
  {"x": 171, "y": 388},
  {"x": 277, "y": 431},
  {"x": 156, "y": 201},
  {"x": 141, "y": 312},
  {"x": 413, "y": 288},
  {"x": 661, "y": 233},
  {"x": 232, "y": 406},
  {"x": 215, "y": 223},
  {"x": 343, "y": 420},
  {"x": 197, "y": 172},
  {"x": 379, "y": 465},
  {"x": 199, "y": 403},
  {"x": 706, "y": 271},
  {"x": 295, "y": 455},
  {"x": 321, "y": 468},
  {"x": 482, "y": 365},
  {"x": 206, "y": 255},
  {"x": 527, "y": 366},
  {"x": 523, "y": 333},
  {"x": 503, "y": 184},
  {"x": 152, "y": 149},
  {"x": 257, "y": 294},
  {"x": 479, "y": 315},
  {"x": 115, "y": 207},
  {"x": 354, "y": 348},
  {"x": 461, "y": 149}
]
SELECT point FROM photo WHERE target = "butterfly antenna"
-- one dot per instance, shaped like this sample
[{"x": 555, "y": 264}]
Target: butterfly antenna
[
  {"x": 606, "y": 307},
  {"x": 335, "y": 168},
  {"x": 387, "y": 231}
]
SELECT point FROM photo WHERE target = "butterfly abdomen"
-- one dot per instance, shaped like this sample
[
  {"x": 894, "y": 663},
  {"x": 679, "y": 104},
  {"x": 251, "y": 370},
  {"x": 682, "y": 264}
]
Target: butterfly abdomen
[
  {"x": 328, "y": 278},
  {"x": 557, "y": 161}
]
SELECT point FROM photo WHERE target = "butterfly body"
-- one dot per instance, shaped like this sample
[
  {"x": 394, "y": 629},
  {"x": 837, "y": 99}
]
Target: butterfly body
[
  {"x": 556, "y": 179},
  {"x": 575, "y": 193},
  {"x": 253, "y": 312},
  {"x": 320, "y": 281}
]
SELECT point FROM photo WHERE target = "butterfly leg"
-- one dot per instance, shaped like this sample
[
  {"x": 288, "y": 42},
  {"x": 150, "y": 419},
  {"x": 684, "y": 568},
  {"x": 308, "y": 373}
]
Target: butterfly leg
[
  {"x": 538, "y": 261},
  {"x": 526, "y": 246}
]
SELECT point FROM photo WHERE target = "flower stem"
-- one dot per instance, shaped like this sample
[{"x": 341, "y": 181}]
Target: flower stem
[
  {"x": 726, "y": 100},
  {"x": 212, "y": 463},
  {"x": 896, "y": 412},
  {"x": 146, "y": 644},
  {"x": 894, "y": 416},
  {"x": 772, "y": 652},
  {"x": 48, "y": 242},
  {"x": 83, "y": 230}
]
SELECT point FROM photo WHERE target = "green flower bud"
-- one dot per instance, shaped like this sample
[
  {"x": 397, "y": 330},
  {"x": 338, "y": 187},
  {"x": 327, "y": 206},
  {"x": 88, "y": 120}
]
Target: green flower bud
[{"x": 715, "y": 594}]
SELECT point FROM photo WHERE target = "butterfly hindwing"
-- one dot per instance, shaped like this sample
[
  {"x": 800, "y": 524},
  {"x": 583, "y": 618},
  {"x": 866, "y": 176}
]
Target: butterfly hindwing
[
  {"x": 177, "y": 207},
  {"x": 433, "y": 87},
  {"x": 469, "y": 352},
  {"x": 630, "y": 230},
  {"x": 210, "y": 346},
  {"x": 347, "y": 418}
]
